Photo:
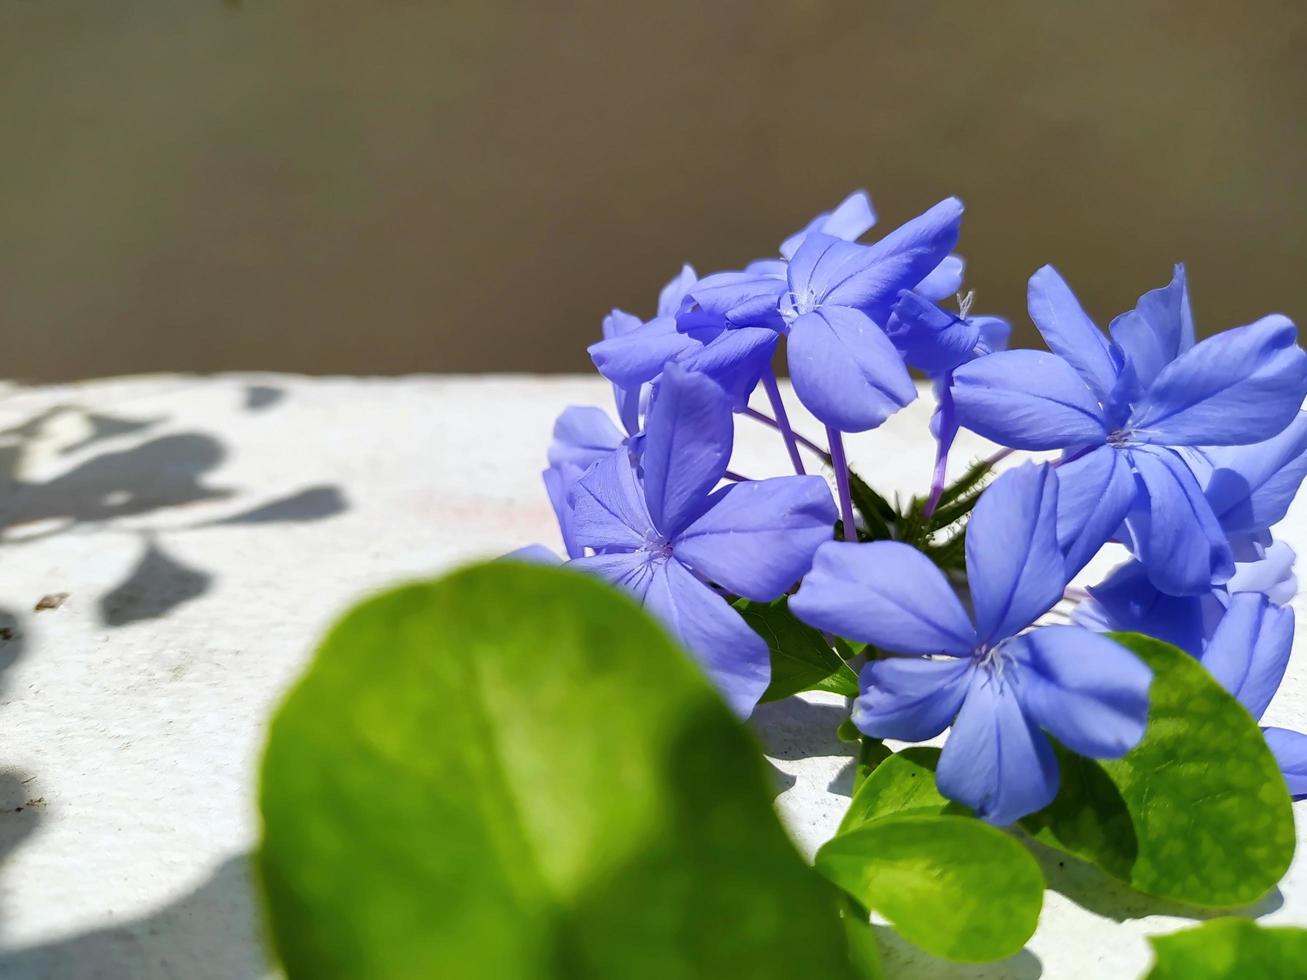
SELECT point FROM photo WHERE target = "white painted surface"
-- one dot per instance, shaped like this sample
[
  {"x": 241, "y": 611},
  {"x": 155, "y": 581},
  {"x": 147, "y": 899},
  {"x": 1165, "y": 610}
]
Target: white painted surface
[{"x": 132, "y": 716}]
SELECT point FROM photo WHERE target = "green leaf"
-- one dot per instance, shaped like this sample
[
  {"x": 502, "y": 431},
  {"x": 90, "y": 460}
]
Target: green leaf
[
  {"x": 514, "y": 772},
  {"x": 864, "y": 951},
  {"x": 1089, "y": 818},
  {"x": 800, "y": 658},
  {"x": 875, "y": 511},
  {"x": 871, "y": 753},
  {"x": 1225, "y": 948},
  {"x": 1207, "y": 820},
  {"x": 969, "y": 484},
  {"x": 954, "y": 886},
  {"x": 951, "y": 555},
  {"x": 903, "y": 783}
]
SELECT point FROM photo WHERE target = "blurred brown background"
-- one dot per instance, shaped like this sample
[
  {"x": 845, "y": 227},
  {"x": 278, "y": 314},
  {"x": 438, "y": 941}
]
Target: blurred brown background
[{"x": 395, "y": 186}]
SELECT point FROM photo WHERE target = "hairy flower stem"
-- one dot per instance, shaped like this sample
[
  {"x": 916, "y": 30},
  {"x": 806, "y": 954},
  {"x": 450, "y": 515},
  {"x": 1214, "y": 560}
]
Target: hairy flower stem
[
  {"x": 998, "y": 457},
  {"x": 841, "y": 467},
  {"x": 782, "y": 420}
]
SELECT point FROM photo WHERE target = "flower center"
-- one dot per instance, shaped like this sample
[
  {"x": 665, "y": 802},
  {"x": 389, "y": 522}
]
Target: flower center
[
  {"x": 656, "y": 545},
  {"x": 794, "y": 305},
  {"x": 1120, "y": 437},
  {"x": 993, "y": 661}
]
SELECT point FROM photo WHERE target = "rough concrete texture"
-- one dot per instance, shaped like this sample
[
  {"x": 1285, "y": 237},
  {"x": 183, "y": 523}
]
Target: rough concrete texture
[{"x": 205, "y": 531}]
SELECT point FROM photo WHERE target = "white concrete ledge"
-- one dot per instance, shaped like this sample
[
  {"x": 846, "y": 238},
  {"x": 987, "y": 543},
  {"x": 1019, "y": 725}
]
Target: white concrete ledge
[{"x": 205, "y": 531}]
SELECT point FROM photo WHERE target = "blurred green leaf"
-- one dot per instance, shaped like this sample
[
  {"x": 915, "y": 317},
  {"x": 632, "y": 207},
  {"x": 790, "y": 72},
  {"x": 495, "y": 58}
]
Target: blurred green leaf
[
  {"x": 801, "y": 660},
  {"x": 954, "y": 886},
  {"x": 1230, "y": 948},
  {"x": 514, "y": 772}
]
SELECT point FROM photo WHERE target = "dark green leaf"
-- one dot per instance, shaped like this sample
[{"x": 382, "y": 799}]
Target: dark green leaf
[
  {"x": 951, "y": 555},
  {"x": 800, "y": 657},
  {"x": 513, "y": 772},
  {"x": 1207, "y": 819},
  {"x": 1089, "y": 818},
  {"x": 876, "y": 512},
  {"x": 967, "y": 486},
  {"x": 848, "y": 649},
  {"x": 871, "y": 753},
  {"x": 1230, "y": 948},
  {"x": 954, "y": 886}
]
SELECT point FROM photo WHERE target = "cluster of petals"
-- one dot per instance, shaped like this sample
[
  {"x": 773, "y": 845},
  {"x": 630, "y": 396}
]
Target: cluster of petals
[{"x": 1185, "y": 452}]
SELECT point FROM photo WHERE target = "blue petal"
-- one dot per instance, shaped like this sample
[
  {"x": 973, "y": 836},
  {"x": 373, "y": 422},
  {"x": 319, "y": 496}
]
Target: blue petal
[
  {"x": 1250, "y": 487},
  {"x": 633, "y": 571},
  {"x": 994, "y": 333},
  {"x": 872, "y": 279},
  {"x": 608, "y": 507},
  {"x": 1172, "y": 529},
  {"x": 910, "y": 698},
  {"x": 582, "y": 435},
  {"x": 846, "y": 371},
  {"x": 931, "y": 339},
  {"x": 1250, "y": 649},
  {"x": 1027, "y": 399},
  {"x": 735, "y": 359},
  {"x": 731, "y": 653},
  {"x": 944, "y": 281},
  {"x": 1241, "y": 386},
  {"x": 534, "y": 554},
  {"x": 1095, "y": 493},
  {"x": 744, "y": 299},
  {"x": 1126, "y": 601},
  {"x": 559, "y": 481},
  {"x": 1158, "y": 330},
  {"x": 688, "y": 438},
  {"x": 851, "y": 219},
  {"x": 757, "y": 538},
  {"x": 822, "y": 264},
  {"x": 1088, "y": 692},
  {"x": 1290, "y": 751},
  {"x": 674, "y": 293},
  {"x": 1014, "y": 566},
  {"x": 996, "y": 761},
  {"x": 632, "y": 357},
  {"x": 1271, "y": 573},
  {"x": 885, "y": 593},
  {"x": 1069, "y": 332}
]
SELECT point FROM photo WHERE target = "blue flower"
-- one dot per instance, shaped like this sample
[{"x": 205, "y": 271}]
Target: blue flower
[
  {"x": 663, "y": 531},
  {"x": 1242, "y": 632},
  {"x": 831, "y": 299},
  {"x": 850, "y": 220},
  {"x": 936, "y": 342},
  {"x": 1120, "y": 408},
  {"x": 997, "y": 687},
  {"x": 633, "y": 353},
  {"x": 583, "y": 435},
  {"x": 1250, "y": 487}
]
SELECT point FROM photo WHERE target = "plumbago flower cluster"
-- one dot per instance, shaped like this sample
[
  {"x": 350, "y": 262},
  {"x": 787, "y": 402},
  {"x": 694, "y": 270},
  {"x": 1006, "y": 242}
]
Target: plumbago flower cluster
[{"x": 1185, "y": 452}]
